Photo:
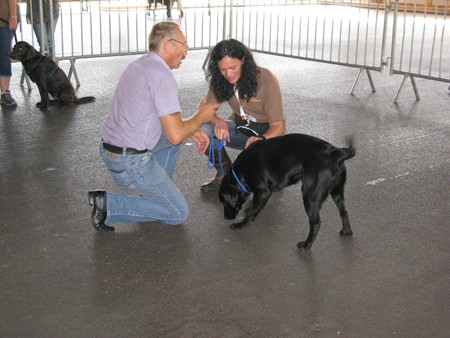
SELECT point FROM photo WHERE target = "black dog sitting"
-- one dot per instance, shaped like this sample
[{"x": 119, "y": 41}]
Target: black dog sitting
[
  {"x": 49, "y": 78},
  {"x": 276, "y": 163},
  {"x": 168, "y": 4}
]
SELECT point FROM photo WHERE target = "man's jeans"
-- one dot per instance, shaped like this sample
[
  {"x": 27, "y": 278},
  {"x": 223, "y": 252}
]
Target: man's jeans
[
  {"x": 149, "y": 175},
  {"x": 237, "y": 139}
]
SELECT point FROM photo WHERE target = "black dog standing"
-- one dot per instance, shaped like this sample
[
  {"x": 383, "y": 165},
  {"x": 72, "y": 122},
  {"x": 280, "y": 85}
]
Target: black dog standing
[
  {"x": 49, "y": 78},
  {"x": 273, "y": 164}
]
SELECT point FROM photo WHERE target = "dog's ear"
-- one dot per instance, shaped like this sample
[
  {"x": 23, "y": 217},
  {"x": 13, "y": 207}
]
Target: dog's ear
[{"x": 30, "y": 53}]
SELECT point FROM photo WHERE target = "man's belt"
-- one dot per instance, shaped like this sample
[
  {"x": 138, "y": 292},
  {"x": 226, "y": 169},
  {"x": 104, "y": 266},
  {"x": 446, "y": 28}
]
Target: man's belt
[{"x": 120, "y": 150}]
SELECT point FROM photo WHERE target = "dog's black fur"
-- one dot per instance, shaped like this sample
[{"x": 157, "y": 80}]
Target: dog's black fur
[
  {"x": 273, "y": 164},
  {"x": 49, "y": 78}
]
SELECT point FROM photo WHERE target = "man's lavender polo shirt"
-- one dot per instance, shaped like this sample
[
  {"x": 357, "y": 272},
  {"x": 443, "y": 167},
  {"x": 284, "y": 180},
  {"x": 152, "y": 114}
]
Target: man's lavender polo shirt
[{"x": 147, "y": 89}]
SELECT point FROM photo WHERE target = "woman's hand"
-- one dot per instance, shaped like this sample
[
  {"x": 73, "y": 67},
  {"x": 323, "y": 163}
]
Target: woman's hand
[
  {"x": 275, "y": 129},
  {"x": 221, "y": 130},
  {"x": 251, "y": 140},
  {"x": 13, "y": 23}
]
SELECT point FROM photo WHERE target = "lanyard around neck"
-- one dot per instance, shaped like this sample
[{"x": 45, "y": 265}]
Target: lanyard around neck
[{"x": 241, "y": 110}]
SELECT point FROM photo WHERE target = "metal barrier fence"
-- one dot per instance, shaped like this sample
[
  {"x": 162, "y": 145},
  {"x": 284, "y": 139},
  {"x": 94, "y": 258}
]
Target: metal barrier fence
[
  {"x": 421, "y": 42},
  {"x": 333, "y": 32},
  {"x": 413, "y": 39}
]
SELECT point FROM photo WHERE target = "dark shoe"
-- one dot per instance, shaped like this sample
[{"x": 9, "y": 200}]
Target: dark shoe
[
  {"x": 7, "y": 99},
  {"x": 212, "y": 185},
  {"x": 97, "y": 199}
]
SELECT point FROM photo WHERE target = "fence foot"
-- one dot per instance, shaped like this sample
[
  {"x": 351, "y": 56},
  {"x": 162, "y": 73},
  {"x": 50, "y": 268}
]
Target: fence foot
[
  {"x": 371, "y": 81},
  {"x": 413, "y": 82},
  {"x": 207, "y": 58},
  {"x": 23, "y": 78},
  {"x": 416, "y": 91},
  {"x": 361, "y": 70},
  {"x": 74, "y": 71}
]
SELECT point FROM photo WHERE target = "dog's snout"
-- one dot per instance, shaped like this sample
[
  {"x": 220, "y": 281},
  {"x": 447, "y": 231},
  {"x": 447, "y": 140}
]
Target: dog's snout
[
  {"x": 229, "y": 217},
  {"x": 13, "y": 55},
  {"x": 230, "y": 213}
]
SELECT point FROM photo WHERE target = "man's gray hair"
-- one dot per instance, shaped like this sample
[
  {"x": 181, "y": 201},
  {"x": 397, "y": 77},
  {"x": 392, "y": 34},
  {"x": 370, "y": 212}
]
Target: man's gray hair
[{"x": 159, "y": 32}]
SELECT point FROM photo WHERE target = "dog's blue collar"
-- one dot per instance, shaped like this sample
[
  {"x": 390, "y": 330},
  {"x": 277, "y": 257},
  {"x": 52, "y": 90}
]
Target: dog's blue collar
[{"x": 239, "y": 182}]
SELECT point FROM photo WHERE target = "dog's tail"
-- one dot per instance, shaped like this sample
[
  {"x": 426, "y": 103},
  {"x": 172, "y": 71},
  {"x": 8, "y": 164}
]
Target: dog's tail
[
  {"x": 346, "y": 153},
  {"x": 85, "y": 99}
]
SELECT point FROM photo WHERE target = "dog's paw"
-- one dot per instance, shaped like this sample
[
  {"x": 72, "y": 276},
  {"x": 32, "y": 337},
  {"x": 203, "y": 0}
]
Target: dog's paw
[
  {"x": 41, "y": 105},
  {"x": 304, "y": 245},
  {"x": 346, "y": 233},
  {"x": 239, "y": 225}
]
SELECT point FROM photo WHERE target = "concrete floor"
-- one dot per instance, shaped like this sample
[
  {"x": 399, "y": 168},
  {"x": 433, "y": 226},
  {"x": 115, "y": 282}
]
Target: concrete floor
[{"x": 59, "y": 278}]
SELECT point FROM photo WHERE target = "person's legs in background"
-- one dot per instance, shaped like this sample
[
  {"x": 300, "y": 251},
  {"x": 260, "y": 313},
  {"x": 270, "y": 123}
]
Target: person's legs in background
[
  {"x": 5, "y": 66},
  {"x": 46, "y": 47},
  {"x": 50, "y": 44},
  {"x": 48, "y": 38},
  {"x": 37, "y": 32}
]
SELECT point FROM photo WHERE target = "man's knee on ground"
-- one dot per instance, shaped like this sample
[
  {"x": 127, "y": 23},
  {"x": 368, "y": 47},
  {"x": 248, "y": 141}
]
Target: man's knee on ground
[{"x": 180, "y": 217}]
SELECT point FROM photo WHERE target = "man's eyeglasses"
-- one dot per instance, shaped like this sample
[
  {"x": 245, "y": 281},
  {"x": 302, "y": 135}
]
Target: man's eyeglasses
[{"x": 183, "y": 43}]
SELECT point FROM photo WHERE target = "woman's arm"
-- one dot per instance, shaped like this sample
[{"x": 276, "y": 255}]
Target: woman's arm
[{"x": 12, "y": 15}]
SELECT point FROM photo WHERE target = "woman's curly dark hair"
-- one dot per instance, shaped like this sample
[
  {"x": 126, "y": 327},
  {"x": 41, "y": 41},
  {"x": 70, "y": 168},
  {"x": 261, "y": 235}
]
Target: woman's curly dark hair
[{"x": 247, "y": 85}]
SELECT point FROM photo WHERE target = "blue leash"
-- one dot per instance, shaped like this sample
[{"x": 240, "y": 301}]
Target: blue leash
[
  {"x": 239, "y": 182},
  {"x": 220, "y": 145}
]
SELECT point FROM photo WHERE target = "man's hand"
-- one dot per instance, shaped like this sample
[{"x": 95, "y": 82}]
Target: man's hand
[
  {"x": 201, "y": 139},
  {"x": 207, "y": 111}
]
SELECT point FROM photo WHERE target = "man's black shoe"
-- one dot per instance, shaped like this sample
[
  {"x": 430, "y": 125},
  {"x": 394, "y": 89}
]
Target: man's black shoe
[{"x": 97, "y": 199}]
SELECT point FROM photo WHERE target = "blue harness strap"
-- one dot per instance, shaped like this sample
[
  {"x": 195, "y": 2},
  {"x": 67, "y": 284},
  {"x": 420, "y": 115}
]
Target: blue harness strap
[
  {"x": 36, "y": 60},
  {"x": 211, "y": 159}
]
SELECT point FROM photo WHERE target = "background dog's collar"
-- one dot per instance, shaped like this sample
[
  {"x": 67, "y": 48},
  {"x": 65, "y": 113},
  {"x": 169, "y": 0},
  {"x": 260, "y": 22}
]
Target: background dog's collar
[
  {"x": 239, "y": 182},
  {"x": 35, "y": 62}
]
